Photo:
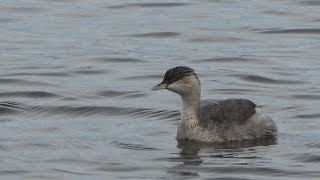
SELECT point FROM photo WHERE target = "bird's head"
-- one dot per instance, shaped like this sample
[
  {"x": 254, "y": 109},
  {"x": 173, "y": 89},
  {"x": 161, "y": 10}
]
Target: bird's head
[{"x": 181, "y": 80}]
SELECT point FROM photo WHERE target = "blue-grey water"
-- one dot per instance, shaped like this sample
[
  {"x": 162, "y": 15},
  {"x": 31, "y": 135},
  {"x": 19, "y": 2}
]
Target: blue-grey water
[{"x": 75, "y": 79}]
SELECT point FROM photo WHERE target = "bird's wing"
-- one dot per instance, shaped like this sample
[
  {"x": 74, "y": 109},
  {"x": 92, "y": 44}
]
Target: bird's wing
[{"x": 227, "y": 111}]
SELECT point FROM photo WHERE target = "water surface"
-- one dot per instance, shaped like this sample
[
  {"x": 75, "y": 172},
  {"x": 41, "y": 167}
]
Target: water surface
[{"x": 75, "y": 99}]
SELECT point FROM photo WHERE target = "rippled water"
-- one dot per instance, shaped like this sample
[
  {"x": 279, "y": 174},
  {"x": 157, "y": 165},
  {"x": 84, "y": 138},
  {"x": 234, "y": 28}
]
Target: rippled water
[{"x": 75, "y": 99}]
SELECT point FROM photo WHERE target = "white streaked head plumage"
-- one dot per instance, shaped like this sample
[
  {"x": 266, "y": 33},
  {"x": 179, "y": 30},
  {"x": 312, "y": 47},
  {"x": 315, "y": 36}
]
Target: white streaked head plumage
[{"x": 181, "y": 80}]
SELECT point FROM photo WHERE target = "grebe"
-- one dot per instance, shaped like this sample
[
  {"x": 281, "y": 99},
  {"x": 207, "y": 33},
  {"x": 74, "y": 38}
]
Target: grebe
[{"x": 214, "y": 121}]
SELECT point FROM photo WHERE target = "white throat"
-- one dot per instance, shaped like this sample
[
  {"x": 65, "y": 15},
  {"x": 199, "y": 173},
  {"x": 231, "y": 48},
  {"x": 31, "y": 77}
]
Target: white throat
[
  {"x": 190, "y": 116},
  {"x": 190, "y": 112}
]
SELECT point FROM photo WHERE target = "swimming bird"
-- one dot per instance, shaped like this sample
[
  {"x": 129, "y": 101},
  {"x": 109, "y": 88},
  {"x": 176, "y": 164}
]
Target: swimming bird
[{"x": 211, "y": 120}]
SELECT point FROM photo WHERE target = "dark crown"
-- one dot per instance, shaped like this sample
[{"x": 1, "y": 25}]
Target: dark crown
[{"x": 177, "y": 73}]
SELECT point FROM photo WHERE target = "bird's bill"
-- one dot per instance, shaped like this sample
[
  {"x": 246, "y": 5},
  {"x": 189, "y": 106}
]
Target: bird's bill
[{"x": 159, "y": 86}]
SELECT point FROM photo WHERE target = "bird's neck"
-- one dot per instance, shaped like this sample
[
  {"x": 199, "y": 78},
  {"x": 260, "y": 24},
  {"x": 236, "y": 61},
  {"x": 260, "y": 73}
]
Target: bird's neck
[{"x": 191, "y": 107}]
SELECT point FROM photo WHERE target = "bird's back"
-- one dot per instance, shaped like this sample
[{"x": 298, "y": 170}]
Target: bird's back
[
  {"x": 236, "y": 119},
  {"x": 227, "y": 111}
]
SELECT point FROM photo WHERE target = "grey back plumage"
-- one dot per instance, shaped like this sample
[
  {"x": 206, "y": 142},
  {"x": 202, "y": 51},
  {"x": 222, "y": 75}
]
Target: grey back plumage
[{"x": 229, "y": 111}]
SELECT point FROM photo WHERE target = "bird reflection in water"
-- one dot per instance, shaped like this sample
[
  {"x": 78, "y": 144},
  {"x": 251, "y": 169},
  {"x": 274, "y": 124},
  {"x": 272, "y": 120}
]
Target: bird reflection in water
[{"x": 191, "y": 159}]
